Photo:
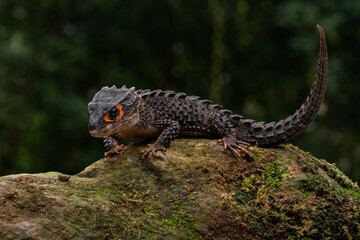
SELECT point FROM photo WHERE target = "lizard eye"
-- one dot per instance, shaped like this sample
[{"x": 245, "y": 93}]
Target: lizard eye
[{"x": 115, "y": 114}]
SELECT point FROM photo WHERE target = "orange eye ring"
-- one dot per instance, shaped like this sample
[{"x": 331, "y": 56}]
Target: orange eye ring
[{"x": 121, "y": 113}]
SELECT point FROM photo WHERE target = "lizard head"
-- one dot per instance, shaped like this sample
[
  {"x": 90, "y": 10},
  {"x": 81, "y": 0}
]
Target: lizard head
[{"x": 113, "y": 110}]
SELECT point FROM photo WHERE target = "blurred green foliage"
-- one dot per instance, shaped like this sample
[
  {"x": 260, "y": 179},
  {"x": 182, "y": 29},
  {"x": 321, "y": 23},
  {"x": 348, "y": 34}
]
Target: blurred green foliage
[{"x": 257, "y": 58}]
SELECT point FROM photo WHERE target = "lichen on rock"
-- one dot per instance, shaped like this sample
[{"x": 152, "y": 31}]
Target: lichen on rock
[{"x": 196, "y": 191}]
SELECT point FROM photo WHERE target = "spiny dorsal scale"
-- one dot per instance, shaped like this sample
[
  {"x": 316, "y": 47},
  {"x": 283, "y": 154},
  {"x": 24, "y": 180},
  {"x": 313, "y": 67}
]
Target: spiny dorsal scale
[
  {"x": 225, "y": 112},
  {"x": 216, "y": 107},
  {"x": 154, "y": 93},
  {"x": 160, "y": 94},
  {"x": 234, "y": 120},
  {"x": 192, "y": 98},
  {"x": 170, "y": 94},
  {"x": 205, "y": 102},
  {"x": 180, "y": 95}
]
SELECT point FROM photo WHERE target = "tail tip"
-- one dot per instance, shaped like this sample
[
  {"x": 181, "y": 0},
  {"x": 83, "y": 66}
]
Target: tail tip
[{"x": 319, "y": 27}]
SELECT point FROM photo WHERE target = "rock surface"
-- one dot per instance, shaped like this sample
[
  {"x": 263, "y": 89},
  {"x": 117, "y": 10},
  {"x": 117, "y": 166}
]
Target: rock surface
[{"x": 197, "y": 191}]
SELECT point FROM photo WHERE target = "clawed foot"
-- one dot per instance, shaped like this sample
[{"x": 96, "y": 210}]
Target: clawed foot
[
  {"x": 232, "y": 144},
  {"x": 116, "y": 150},
  {"x": 153, "y": 149}
]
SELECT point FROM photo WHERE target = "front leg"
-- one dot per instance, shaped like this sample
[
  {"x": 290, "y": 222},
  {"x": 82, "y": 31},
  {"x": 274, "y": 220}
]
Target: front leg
[
  {"x": 169, "y": 133},
  {"x": 112, "y": 146}
]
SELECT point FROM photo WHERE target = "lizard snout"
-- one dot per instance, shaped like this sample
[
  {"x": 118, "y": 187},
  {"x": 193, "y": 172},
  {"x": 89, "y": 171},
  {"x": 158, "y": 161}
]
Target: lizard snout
[{"x": 91, "y": 127}]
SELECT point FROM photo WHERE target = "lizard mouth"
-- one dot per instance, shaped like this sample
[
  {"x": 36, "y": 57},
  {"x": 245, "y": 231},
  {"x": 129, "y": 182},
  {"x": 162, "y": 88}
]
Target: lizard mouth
[
  {"x": 102, "y": 132},
  {"x": 96, "y": 133}
]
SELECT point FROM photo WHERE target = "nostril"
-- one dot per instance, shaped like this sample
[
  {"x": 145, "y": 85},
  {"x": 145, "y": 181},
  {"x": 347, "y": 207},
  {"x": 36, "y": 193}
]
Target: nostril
[{"x": 91, "y": 126}]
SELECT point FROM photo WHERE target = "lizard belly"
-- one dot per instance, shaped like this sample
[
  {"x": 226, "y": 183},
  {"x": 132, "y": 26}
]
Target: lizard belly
[{"x": 139, "y": 132}]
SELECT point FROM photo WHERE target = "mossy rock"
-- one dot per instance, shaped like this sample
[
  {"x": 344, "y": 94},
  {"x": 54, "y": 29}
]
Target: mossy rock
[{"x": 196, "y": 191}]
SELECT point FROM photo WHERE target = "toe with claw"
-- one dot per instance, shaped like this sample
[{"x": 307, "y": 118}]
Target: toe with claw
[
  {"x": 116, "y": 150},
  {"x": 153, "y": 149},
  {"x": 233, "y": 145}
]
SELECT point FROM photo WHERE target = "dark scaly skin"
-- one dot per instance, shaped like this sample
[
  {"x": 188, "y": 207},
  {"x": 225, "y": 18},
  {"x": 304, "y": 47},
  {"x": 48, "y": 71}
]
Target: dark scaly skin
[
  {"x": 272, "y": 134},
  {"x": 168, "y": 115}
]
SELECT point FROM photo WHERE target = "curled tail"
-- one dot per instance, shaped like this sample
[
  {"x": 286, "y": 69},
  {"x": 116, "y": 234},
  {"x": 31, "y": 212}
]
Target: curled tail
[{"x": 274, "y": 133}]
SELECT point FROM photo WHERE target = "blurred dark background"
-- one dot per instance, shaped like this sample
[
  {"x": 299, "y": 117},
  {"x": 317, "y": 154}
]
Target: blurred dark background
[{"x": 257, "y": 58}]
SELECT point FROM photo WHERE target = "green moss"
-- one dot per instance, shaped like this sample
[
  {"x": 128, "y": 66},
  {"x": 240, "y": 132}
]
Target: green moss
[
  {"x": 273, "y": 173},
  {"x": 294, "y": 157},
  {"x": 257, "y": 153},
  {"x": 327, "y": 222},
  {"x": 352, "y": 192},
  {"x": 310, "y": 183},
  {"x": 171, "y": 222},
  {"x": 247, "y": 189}
]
